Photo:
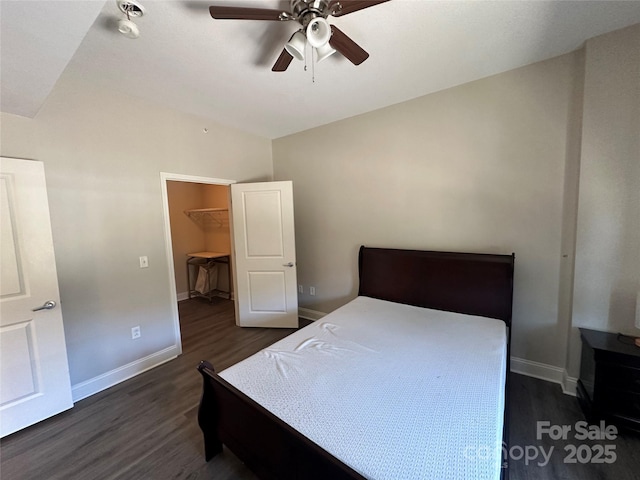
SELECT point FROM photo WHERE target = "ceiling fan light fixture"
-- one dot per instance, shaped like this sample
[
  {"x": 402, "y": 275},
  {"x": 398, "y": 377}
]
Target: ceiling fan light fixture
[
  {"x": 131, "y": 8},
  {"x": 318, "y": 32},
  {"x": 296, "y": 45},
  {"x": 314, "y": 29},
  {"x": 325, "y": 51}
]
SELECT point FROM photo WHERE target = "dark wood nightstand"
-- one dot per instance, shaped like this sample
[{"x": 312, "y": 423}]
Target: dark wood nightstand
[{"x": 609, "y": 383}]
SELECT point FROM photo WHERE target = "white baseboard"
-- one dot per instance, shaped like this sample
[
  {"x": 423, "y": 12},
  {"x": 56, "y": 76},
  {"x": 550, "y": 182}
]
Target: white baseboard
[
  {"x": 120, "y": 374},
  {"x": 309, "y": 314},
  {"x": 536, "y": 370},
  {"x": 546, "y": 372},
  {"x": 569, "y": 384}
]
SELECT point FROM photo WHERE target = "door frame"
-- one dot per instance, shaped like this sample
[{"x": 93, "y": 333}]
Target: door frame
[{"x": 177, "y": 177}]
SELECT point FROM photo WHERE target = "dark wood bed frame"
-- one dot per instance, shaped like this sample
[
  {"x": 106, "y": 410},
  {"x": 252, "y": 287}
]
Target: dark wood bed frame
[{"x": 477, "y": 284}]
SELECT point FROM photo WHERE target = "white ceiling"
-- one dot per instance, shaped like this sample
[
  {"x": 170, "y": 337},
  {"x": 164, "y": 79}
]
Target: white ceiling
[
  {"x": 221, "y": 69},
  {"x": 37, "y": 40}
]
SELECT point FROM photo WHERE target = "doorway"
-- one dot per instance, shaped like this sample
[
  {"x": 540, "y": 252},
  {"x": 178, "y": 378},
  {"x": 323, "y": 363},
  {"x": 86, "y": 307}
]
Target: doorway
[
  {"x": 196, "y": 218},
  {"x": 201, "y": 239}
]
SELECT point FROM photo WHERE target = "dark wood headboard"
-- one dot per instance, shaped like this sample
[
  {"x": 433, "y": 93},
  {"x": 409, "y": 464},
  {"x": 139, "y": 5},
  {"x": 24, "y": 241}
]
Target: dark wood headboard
[{"x": 471, "y": 283}]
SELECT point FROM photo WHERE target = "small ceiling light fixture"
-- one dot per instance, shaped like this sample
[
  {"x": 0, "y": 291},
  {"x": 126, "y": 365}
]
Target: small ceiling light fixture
[
  {"x": 325, "y": 51},
  {"x": 318, "y": 32},
  {"x": 318, "y": 35},
  {"x": 131, "y": 8},
  {"x": 296, "y": 45}
]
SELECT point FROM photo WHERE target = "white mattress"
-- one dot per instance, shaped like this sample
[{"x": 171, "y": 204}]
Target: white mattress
[{"x": 394, "y": 391}]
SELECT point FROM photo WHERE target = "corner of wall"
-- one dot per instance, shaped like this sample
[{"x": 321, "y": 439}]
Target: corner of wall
[
  {"x": 606, "y": 263},
  {"x": 570, "y": 205}
]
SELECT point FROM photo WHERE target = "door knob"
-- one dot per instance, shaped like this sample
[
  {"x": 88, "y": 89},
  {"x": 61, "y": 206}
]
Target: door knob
[
  {"x": 46, "y": 306},
  {"x": 290, "y": 264}
]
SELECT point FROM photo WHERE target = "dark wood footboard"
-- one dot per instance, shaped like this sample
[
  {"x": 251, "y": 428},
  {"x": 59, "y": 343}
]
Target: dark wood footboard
[{"x": 266, "y": 444}]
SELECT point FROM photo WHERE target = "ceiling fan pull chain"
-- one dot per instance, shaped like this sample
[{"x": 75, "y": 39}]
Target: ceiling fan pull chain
[
  {"x": 313, "y": 65},
  {"x": 305, "y": 56}
]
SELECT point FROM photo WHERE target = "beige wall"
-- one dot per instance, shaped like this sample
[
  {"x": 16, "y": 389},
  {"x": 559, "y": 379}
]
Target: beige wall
[
  {"x": 103, "y": 154},
  {"x": 607, "y": 271},
  {"x": 479, "y": 168},
  {"x": 186, "y": 235},
  {"x": 543, "y": 160},
  {"x": 217, "y": 235}
]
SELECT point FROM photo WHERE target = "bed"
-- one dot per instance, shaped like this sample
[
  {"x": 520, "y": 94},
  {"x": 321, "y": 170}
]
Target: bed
[{"x": 409, "y": 380}]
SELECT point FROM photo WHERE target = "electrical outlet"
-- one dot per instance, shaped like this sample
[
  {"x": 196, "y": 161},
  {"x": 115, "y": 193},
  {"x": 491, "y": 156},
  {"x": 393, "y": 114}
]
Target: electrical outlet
[
  {"x": 312, "y": 290},
  {"x": 135, "y": 332},
  {"x": 300, "y": 289},
  {"x": 144, "y": 262}
]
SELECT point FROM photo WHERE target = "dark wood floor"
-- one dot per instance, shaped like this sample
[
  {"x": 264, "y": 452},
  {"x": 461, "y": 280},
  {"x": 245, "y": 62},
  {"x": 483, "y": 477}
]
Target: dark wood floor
[{"x": 145, "y": 428}]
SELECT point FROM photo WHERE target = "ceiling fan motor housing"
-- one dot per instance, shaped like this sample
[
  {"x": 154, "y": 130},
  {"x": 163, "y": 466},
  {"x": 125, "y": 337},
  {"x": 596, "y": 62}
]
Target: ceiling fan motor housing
[{"x": 306, "y": 10}]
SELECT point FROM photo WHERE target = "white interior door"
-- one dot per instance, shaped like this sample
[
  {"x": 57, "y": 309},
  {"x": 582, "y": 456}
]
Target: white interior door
[
  {"x": 34, "y": 372},
  {"x": 265, "y": 254}
]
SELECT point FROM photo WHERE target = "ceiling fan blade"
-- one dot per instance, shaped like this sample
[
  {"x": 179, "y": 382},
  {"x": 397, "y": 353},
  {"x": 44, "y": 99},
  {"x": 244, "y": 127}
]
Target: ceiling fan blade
[
  {"x": 241, "y": 13},
  {"x": 347, "y": 47},
  {"x": 342, "y": 7},
  {"x": 283, "y": 61}
]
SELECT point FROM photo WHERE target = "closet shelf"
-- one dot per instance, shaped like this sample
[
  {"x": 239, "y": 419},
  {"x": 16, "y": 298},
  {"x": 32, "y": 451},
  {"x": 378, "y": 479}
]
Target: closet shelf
[{"x": 217, "y": 215}]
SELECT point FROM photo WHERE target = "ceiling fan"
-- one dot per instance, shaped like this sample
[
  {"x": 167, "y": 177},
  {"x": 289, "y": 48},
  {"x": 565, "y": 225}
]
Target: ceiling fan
[{"x": 312, "y": 16}]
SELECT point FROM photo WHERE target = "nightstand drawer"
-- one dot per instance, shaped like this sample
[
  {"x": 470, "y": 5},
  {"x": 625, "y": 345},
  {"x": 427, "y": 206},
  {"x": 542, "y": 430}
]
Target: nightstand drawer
[
  {"x": 619, "y": 377},
  {"x": 620, "y": 403}
]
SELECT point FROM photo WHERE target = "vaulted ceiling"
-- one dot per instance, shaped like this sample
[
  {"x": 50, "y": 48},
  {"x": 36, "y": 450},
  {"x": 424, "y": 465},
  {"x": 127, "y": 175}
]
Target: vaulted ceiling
[{"x": 221, "y": 69}]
